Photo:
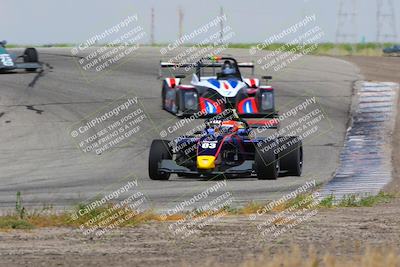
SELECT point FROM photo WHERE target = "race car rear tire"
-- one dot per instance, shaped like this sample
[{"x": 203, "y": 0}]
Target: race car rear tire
[
  {"x": 266, "y": 164},
  {"x": 31, "y": 56},
  {"x": 291, "y": 156},
  {"x": 159, "y": 150}
]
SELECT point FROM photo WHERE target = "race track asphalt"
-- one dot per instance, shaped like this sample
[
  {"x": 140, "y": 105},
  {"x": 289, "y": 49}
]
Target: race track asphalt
[{"x": 38, "y": 157}]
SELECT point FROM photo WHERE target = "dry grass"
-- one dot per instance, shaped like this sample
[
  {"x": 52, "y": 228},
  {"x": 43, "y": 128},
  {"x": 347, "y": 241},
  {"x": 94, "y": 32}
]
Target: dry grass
[
  {"x": 50, "y": 218},
  {"x": 299, "y": 202},
  {"x": 22, "y": 219}
]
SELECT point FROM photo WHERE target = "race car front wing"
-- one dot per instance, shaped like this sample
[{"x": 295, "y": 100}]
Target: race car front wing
[{"x": 170, "y": 166}]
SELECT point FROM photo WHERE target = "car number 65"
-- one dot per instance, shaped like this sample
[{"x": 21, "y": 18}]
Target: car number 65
[{"x": 208, "y": 145}]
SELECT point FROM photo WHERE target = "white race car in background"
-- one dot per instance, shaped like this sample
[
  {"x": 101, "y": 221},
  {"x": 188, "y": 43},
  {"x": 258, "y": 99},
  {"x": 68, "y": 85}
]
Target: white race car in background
[{"x": 211, "y": 94}]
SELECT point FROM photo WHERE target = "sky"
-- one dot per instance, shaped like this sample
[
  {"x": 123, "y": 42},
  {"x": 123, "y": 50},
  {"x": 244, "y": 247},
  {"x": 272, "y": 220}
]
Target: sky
[{"x": 252, "y": 21}]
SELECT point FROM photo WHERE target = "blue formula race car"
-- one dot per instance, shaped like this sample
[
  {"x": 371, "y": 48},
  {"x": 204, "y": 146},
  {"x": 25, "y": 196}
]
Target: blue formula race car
[{"x": 226, "y": 147}]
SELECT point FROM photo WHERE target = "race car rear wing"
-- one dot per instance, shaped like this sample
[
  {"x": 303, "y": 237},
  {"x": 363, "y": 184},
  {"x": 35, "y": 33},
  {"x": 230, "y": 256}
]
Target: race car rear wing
[
  {"x": 272, "y": 123},
  {"x": 164, "y": 64},
  {"x": 179, "y": 65}
]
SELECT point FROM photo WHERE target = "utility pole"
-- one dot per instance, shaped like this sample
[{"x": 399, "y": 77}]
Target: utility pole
[
  {"x": 152, "y": 42},
  {"x": 221, "y": 24},
  {"x": 180, "y": 15},
  {"x": 346, "y": 30},
  {"x": 386, "y": 21}
]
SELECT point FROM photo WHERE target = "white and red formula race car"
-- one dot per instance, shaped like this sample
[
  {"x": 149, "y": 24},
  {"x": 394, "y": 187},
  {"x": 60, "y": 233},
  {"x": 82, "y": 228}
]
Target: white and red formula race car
[{"x": 211, "y": 93}]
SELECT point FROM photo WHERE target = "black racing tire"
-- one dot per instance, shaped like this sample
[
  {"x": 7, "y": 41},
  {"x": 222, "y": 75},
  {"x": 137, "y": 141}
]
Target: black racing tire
[
  {"x": 163, "y": 93},
  {"x": 259, "y": 99},
  {"x": 291, "y": 157},
  {"x": 182, "y": 105},
  {"x": 159, "y": 150},
  {"x": 31, "y": 56},
  {"x": 266, "y": 164},
  {"x": 178, "y": 98}
]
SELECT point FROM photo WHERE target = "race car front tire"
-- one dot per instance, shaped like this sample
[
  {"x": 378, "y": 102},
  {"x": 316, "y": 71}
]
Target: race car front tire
[
  {"x": 159, "y": 150},
  {"x": 163, "y": 93},
  {"x": 164, "y": 90},
  {"x": 182, "y": 104},
  {"x": 31, "y": 56},
  {"x": 266, "y": 164},
  {"x": 291, "y": 155}
]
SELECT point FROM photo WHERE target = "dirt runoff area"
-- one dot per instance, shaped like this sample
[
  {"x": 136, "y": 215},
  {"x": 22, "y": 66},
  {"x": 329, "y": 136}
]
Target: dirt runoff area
[{"x": 229, "y": 241}]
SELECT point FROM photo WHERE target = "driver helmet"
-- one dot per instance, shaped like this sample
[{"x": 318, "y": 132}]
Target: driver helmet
[
  {"x": 212, "y": 126},
  {"x": 227, "y": 68},
  {"x": 231, "y": 126},
  {"x": 210, "y": 131}
]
